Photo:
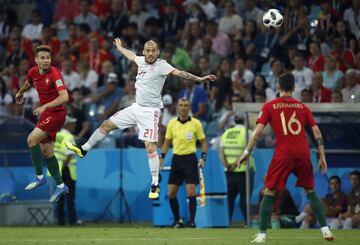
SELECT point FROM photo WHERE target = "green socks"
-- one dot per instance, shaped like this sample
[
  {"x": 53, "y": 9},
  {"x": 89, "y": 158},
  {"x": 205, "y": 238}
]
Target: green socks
[
  {"x": 266, "y": 208},
  {"x": 35, "y": 153},
  {"x": 318, "y": 208},
  {"x": 53, "y": 167}
]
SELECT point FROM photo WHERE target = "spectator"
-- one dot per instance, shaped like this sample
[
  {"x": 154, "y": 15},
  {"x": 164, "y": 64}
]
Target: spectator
[
  {"x": 17, "y": 53},
  {"x": 194, "y": 11},
  {"x": 5, "y": 99},
  {"x": 253, "y": 12},
  {"x": 316, "y": 60},
  {"x": 294, "y": 11},
  {"x": 351, "y": 92},
  {"x": 248, "y": 36},
  {"x": 191, "y": 36},
  {"x": 65, "y": 54},
  {"x": 351, "y": 218},
  {"x": 204, "y": 68},
  {"x": 320, "y": 37},
  {"x": 74, "y": 109},
  {"x": 299, "y": 36},
  {"x": 230, "y": 23},
  {"x": 209, "y": 9},
  {"x": 232, "y": 144},
  {"x": 88, "y": 77},
  {"x": 306, "y": 96},
  {"x": 96, "y": 56},
  {"x": 331, "y": 75},
  {"x": 273, "y": 78},
  {"x": 133, "y": 38},
  {"x": 33, "y": 30},
  {"x": 206, "y": 50},
  {"x": 336, "y": 97},
  {"x": 152, "y": 29},
  {"x": 116, "y": 22},
  {"x": 352, "y": 16},
  {"x": 180, "y": 57},
  {"x": 71, "y": 77},
  {"x": 87, "y": 17},
  {"x": 344, "y": 57},
  {"x": 327, "y": 19},
  {"x": 49, "y": 39},
  {"x": 197, "y": 97},
  {"x": 65, "y": 12},
  {"x": 221, "y": 42},
  {"x": 172, "y": 22},
  {"x": 335, "y": 202},
  {"x": 320, "y": 93},
  {"x": 222, "y": 88},
  {"x": 259, "y": 86},
  {"x": 343, "y": 33},
  {"x": 341, "y": 6},
  {"x": 303, "y": 75},
  {"x": 241, "y": 78},
  {"x": 137, "y": 15}
]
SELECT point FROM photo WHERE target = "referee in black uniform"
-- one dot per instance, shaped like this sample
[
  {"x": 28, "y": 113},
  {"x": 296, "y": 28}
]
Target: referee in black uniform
[{"x": 183, "y": 131}]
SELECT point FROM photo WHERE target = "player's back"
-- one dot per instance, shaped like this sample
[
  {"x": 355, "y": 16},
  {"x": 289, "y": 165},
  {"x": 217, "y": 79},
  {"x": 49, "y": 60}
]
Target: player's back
[{"x": 288, "y": 117}]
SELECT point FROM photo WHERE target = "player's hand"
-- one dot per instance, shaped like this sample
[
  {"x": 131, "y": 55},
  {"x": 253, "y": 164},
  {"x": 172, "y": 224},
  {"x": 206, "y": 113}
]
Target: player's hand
[
  {"x": 19, "y": 98},
  {"x": 322, "y": 165},
  {"x": 161, "y": 163},
  {"x": 117, "y": 43},
  {"x": 38, "y": 111},
  {"x": 242, "y": 159},
  {"x": 201, "y": 163},
  {"x": 209, "y": 77},
  {"x": 231, "y": 167}
]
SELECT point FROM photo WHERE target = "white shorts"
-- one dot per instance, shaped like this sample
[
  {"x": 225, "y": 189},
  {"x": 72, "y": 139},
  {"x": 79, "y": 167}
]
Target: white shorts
[{"x": 145, "y": 118}]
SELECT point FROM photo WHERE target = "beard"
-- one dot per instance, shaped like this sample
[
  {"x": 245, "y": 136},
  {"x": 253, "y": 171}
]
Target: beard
[{"x": 152, "y": 61}]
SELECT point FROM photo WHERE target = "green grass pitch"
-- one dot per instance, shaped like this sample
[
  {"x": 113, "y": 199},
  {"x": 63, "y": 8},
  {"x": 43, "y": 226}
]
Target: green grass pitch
[{"x": 129, "y": 234}]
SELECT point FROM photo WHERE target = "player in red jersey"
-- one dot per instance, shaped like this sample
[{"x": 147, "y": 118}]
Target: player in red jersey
[
  {"x": 288, "y": 118},
  {"x": 51, "y": 116}
]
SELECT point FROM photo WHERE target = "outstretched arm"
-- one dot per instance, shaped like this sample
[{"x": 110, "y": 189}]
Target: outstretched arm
[
  {"x": 189, "y": 76},
  {"x": 127, "y": 53},
  {"x": 321, "y": 149},
  {"x": 255, "y": 137}
]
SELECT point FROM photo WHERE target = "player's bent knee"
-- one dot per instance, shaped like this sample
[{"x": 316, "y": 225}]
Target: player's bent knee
[
  {"x": 150, "y": 147},
  {"x": 107, "y": 126}
]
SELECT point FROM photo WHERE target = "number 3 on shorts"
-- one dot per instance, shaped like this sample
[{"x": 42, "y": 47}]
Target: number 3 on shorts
[
  {"x": 148, "y": 133},
  {"x": 292, "y": 121}
]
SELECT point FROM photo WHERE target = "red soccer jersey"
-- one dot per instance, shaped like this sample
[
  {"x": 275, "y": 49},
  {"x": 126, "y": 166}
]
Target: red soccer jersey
[
  {"x": 47, "y": 85},
  {"x": 288, "y": 117}
]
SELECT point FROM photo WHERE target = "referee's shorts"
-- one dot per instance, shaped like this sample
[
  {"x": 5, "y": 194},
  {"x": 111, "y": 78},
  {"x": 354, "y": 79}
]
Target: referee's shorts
[{"x": 184, "y": 167}]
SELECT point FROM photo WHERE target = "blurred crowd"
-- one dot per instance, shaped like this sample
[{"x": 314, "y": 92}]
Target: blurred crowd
[{"x": 319, "y": 42}]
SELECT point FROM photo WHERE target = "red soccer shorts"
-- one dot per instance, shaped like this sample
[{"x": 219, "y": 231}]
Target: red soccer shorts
[
  {"x": 51, "y": 122},
  {"x": 280, "y": 169}
]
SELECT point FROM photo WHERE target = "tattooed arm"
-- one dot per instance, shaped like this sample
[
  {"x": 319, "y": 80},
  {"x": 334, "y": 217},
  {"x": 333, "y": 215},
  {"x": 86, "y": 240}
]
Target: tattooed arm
[{"x": 189, "y": 76}]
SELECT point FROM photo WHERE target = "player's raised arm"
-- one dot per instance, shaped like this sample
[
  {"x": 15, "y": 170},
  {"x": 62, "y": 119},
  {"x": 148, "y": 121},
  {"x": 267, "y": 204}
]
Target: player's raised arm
[
  {"x": 189, "y": 76},
  {"x": 127, "y": 53},
  {"x": 321, "y": 149},
  {"x": 255, "y": 137},
  {"x": 19, "y": 96}
]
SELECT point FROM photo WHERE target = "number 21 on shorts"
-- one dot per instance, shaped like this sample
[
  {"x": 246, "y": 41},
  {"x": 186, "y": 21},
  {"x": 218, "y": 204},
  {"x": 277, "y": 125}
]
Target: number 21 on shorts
[
  {"x": 289, "y": 125},
  {"x": 148, "y": 133}
]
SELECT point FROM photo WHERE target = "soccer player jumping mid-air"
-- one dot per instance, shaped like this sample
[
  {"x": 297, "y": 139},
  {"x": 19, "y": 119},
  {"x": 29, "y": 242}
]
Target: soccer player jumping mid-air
[
  {"x": 51, "y": 116},
  {"x": 145, "y": 112},
  {"x": 288, "y": 118}
]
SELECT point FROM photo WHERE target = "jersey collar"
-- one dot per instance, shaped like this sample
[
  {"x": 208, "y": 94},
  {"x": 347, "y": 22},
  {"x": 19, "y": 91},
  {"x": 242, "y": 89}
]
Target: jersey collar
[{"x": 183, "y": 122}]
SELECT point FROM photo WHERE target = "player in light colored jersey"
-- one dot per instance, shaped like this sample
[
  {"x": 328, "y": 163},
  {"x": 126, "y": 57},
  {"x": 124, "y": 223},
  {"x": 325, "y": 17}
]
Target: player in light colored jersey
[{"x": 145, "y": 112}]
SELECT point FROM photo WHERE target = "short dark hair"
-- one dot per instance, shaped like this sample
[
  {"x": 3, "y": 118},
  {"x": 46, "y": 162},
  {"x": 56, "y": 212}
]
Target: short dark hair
[
  {"x": 355, "y": 172},
  {"x": 287, "y": 82},
  {"x": 335, "y": 177},
  {"x": 44, "y": 48}
]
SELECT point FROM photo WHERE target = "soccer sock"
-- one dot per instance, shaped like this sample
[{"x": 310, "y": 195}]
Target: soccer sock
[
  {"x": 35, "y": 153},
  {"x": 347, "y": 224},
  {"x": 53, "y": 167},
  {"x": 95, "y": 138},
  {"x": 304, "y": 225},
  {"x": 266, "y": 208},
  {"x": 174, "y": 205},
  {"x": 318, "y": 208},
  {"x": 300, "y": 217},
  {"x": 192, "y": 208},
  {"x": 275, "y": 224},
  {"x": 154, "y": 165}
]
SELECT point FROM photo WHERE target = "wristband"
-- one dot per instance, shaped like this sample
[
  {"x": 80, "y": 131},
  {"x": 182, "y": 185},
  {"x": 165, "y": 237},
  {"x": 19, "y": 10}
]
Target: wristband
[
  {"x": 246, "y": 152},
  {"x": 162, "y": 155},
  {"x": 203, "y": 156}
]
